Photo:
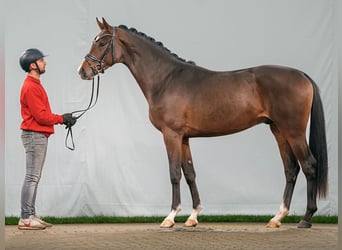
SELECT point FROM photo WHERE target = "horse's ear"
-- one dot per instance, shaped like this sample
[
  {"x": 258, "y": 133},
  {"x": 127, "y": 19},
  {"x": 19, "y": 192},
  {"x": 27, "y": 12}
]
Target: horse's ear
[
  {"x": 99, "y": 24},
  {"x": 106, "y": 25}
]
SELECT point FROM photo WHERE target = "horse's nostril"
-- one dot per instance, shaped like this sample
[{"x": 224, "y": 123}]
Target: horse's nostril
[
  {"x": 82, "y": 73},
  {"x": 80, "y": 70}
]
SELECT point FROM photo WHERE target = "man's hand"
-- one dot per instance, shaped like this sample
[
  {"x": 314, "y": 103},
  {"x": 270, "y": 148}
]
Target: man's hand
[{"x": 69, "y": 120}]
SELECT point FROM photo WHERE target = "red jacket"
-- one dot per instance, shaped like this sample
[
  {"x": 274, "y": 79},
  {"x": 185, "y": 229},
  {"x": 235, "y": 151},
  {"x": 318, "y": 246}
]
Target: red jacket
[{"x": 35, "y": 108}]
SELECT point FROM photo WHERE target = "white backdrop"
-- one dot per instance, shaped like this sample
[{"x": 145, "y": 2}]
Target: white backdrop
[
  {"x": 120, "y": 165},
  {"x": 2, "y": 129}
]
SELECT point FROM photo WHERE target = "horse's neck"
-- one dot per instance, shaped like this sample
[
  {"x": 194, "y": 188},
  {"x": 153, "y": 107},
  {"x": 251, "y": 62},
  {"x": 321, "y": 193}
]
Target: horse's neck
[
  {"x": 149, "y": 73},
  {"x": 149, "y": 79}
]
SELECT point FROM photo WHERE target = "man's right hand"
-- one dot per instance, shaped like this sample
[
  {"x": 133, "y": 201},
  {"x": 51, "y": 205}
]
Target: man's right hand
[{"x": 69, "y": 120}]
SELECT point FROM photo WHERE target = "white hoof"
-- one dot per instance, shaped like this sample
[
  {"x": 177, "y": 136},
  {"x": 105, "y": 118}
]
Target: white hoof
[
  {"x": 191, "y": 223},
  {"x": 167, "y": 223},
  {"x": 273, "y": 224}
]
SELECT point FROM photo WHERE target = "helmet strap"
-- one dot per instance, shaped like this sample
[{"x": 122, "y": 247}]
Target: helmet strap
[{"x": 37, "y": 69}]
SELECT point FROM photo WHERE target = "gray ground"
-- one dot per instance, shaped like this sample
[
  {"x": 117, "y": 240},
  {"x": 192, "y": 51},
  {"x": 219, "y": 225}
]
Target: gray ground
[{"x": 150, "y": 236}]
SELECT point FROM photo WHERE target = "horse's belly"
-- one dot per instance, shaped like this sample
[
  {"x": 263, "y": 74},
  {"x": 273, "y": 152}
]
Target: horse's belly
[{"x": 223, "y": 125}]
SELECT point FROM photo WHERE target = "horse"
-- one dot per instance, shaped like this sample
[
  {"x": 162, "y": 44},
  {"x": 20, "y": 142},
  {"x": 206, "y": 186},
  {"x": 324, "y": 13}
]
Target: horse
[{"x": 186, "y": 100}]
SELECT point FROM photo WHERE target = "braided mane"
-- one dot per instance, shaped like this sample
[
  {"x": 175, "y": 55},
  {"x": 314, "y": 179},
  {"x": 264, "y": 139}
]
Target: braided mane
[{"x": 151, "y": 39}]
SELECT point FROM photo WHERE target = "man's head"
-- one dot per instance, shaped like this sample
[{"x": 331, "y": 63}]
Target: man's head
[{"x": 32, "y": 59}]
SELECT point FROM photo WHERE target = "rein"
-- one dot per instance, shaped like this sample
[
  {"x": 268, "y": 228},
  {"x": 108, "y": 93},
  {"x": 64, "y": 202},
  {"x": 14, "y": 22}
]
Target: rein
[
  {"x": 82, "y": 112},
  {"x": 96, "y": 71}
]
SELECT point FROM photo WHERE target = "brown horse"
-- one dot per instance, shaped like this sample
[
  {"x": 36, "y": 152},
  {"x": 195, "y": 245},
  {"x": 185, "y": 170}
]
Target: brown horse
[{"x": 186, "y": 101}]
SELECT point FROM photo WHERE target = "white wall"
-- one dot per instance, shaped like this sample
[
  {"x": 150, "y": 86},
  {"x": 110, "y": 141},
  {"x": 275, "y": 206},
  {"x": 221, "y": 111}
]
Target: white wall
[
  {"x": 2, "y": 130},
  {"x": 120, "y": 166}
]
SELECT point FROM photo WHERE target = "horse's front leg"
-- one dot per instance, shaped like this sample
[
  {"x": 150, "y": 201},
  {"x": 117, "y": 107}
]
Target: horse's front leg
[
  {"x": 190, "y": 176},
  {"x": 173, "y": 143}
]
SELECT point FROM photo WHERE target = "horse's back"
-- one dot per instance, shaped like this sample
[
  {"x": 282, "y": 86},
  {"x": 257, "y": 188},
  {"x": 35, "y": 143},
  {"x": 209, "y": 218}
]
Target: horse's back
[
  {"x": 266, "y": 87},
  {"x": 207, "y": 103}
]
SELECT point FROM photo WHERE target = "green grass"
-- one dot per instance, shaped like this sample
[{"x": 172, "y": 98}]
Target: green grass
[{"x": 158, "y": 219}]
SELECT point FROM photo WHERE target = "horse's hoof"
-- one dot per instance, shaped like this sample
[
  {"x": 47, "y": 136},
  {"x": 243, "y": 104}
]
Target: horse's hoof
[
  {"x": 191, "y": 223},
  {"x": 304, "y": 224},
  {"x": 167, "y": 224},
  {"x": 273, "y": 224}
]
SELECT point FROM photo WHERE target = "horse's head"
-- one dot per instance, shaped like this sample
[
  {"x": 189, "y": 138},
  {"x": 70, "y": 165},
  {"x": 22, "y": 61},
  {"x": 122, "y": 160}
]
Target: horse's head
[{"x": 101, "y": 54}]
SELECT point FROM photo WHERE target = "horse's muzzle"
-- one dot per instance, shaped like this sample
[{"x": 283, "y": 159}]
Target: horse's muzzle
[{"x": 83, "y": 73}]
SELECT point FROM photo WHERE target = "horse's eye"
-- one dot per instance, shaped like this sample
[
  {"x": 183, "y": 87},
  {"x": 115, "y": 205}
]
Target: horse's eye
[{"x": 102, "y": 44}]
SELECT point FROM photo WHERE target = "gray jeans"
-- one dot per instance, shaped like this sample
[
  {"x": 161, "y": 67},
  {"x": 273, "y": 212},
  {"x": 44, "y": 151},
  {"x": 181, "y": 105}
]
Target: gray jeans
[{"x": 35, "y": 145}]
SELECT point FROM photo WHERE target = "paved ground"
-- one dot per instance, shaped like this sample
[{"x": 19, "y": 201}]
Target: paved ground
[{"x": 149, "y": 236}]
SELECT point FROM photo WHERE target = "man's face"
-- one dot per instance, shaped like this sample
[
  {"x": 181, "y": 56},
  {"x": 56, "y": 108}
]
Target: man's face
[{"x": 41, "y": 64}]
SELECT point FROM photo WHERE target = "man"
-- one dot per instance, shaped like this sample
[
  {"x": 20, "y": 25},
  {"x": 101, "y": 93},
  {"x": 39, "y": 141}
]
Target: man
[{"x": 37, "y": 125}]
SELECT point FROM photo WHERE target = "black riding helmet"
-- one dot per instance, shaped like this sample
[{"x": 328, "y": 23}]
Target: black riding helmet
[{"x": 30, "y": 56}]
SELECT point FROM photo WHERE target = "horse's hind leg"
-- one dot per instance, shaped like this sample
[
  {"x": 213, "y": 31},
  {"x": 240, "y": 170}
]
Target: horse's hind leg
[
  {"x": 308, "y": 163},
  {"x": 190, "y": 176},
  {"x": 291, "y": 168}
]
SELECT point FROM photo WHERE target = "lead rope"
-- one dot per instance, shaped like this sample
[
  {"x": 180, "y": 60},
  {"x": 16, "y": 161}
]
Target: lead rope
[{"x": 82, "y": 111}]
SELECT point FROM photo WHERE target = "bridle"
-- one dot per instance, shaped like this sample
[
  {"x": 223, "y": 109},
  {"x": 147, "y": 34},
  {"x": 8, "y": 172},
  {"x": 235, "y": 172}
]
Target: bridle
[
  {"x": 99, "y": 67},
  {"x": 96, "y": 70}
]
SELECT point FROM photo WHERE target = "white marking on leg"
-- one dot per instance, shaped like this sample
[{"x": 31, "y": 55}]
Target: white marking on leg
[
  {"x": 195, "y": 212},
  {"x": 192, "y": 220},
  {"x": 283, "y": 211},
  {"x": 172, "y": 215}
]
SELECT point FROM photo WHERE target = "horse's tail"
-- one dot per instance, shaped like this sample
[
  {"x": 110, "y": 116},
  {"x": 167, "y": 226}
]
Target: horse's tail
[{"x": 318, "y": 142}]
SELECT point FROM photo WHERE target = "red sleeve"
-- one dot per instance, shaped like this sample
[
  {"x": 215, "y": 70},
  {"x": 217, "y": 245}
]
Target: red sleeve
[{"x": 39, "y": 107}]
